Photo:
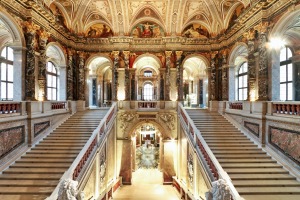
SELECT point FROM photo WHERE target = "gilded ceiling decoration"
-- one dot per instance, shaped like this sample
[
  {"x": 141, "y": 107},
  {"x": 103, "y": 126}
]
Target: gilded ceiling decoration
[{"x": 104, "y": 18}]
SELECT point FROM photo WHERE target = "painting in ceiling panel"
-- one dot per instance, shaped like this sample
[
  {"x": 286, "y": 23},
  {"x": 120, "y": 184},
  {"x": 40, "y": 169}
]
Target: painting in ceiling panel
[
  {"x": 99, "y": 31},
  {"x": 195, "y": 31},
  {"x": 194, "y": 8},
  {"x": 102, "y": 7},
  {"x": 147, "y": 30},
  {"x": 134, "y": 6}
]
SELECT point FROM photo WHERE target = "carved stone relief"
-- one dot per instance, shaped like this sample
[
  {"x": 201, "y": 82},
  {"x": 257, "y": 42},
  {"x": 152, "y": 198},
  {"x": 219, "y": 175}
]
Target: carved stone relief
[
  {"x": 169, "y": 120},
  {"x": 190, "y": 168},
  {"x": 125, "y": 119},
  {"x": 219, "y": 191}
]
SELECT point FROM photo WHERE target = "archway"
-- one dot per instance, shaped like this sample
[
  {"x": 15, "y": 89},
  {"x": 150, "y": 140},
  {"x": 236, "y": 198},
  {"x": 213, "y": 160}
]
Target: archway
[
  {"x": 99, "y": 81},
  {"x": 195, "y": 81}
]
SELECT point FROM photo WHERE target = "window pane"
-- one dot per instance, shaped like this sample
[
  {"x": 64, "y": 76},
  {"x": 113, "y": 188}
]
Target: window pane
[
  {"x": 53, "y": 81},
  {"x": 282, "y": 92},
  {"x": 290, "y": 72},
  {"x": 283, "y": 73},
  {"x": 10, "y": 73},
  {"x": 54, "y": 94},
  {"x": 3, "y": 53},
  {"x": 290, "y": 91},
  {"x": 10, "y": 54},
  {"x": 49, "y": 94},
  {"x": 283, "y": 54},
  {"x": 3, "y": 90},
  {"x": 3, "y": 72},
  {"x": 49, "y": 66},
  {"x": 10, "y": 90},
  {"x": 244, "y": 94},
  {"x": 48, "y": 80},
  {"x": 289, "y": 53}
]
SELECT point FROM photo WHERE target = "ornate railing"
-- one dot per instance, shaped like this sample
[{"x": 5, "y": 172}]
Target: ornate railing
[
  {"x": 147, "y": 104},
  {"x": 10, "y": 107},
  {"x": 58, "y": 105},
  {"x": 286, "y": 108},
  {"x": 88, "y": 152},
  {"x": 236, "y": 105},
  {"x": 204, "y": 153}
]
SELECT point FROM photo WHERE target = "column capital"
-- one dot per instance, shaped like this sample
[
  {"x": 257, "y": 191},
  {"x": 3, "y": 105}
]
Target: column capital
[
  {"x": 168, "y": 53},
  {"x": 126, "y": 54},
  {"x": 178, "y": 54},
  {"x": 115, "y": 54}
]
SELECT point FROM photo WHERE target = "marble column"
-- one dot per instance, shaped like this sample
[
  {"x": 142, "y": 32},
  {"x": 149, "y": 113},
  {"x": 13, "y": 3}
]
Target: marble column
[
  {"x": 263, "y": 69},
  {"x": 224, "y": 78},
  {"x": 42, "y": 81},
  {"x": 81, "y": 77},
  {"x": 251, "y": 69},
  {"x": 213, "y": 76},
  {"x": 115, "y": 75},
  {"x": 162, "y": 84},
  {"x": 70, "y": 84},
  {"x": 127, "y": 75},
  {"x": 30, "y": 65},
  {"x": 179, "y": 67},
  {"x": 167, "y": 77},
  {"x": 133, "y": 86},
  {"x": 231, "y": 83},
  {"x": 19, "y": 73}
]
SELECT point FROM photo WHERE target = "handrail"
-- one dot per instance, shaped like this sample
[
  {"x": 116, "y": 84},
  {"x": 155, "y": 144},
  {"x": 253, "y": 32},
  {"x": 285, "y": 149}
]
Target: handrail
[
  {"x": 79, "y": 165},
  {"x": 198, "y": 141},
  {"x": 9, "y": 107},
  {"x": 287, "y": 108},
  {"x": 59, "y": 105},
  {"x": 238, "y": 105}
]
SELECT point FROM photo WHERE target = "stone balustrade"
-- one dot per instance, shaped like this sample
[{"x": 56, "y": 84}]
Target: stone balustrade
[
  {"x": 236, "y": 105},
  {"x": 287, "y": 108}
]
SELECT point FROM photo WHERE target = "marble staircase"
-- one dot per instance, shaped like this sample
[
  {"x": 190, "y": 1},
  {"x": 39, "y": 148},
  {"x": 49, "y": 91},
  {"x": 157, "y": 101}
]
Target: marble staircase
[
  {"x": 254, "y": 173},
  {"x": 36, "y": 174}
]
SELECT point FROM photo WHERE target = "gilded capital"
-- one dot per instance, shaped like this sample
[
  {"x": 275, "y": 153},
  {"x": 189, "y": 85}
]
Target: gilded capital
[
  {"x": 44, "y": 35},
  {"x": 249, "y": 35},
  {"x": 126, "y": 54},
  {"x": 115, "y": 54},
  {"x": 178, "y": 54},
  {"x": 168, "y": 53},
  {"x": 30, "y": 27},
  {"x": 262, "y": 27}
]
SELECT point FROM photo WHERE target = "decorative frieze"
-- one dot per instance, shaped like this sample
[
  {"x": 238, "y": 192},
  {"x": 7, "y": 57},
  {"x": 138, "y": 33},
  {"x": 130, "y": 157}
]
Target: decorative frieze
[
  {"x": 40, "y": 127},
  {"x": 11, "y": 139}
]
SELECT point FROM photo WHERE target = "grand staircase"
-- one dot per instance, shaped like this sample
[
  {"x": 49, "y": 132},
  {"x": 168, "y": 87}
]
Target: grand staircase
[
  {"x": 255, "y": 175},
  {"x": 36, "y": 174}
]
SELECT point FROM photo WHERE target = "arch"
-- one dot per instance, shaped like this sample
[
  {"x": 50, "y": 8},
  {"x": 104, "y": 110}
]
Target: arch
[
  {"x": 239, "y": 49},
  {"x": 155, "y": 61},
  {"x": 284, "y": 27},
  {"x": 201, "y": 57},
  {"x": 13, "y": 28},
  {"x": 92, "y": 57},
  {"x": 55, "y": 52}
]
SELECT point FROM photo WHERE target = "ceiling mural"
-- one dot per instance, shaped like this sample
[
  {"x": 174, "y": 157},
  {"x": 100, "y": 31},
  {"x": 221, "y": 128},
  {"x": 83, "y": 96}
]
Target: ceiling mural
[
  {"x": 147, "y": 30},
  {"x": 195, "y": 31},
  {"x": 99, "y": 30},
  {"x": 173, "y": 16}
]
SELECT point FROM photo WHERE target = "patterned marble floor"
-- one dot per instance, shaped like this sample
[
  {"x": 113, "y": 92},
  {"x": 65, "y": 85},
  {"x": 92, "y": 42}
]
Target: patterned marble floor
[{"x": 146, "y": 185}]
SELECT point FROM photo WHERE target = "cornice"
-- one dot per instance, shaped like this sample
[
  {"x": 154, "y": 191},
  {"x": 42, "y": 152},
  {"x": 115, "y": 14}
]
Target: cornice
[{"x": 255, "y": 14}]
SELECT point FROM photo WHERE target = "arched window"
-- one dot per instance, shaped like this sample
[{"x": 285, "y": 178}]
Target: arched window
[
  {"x": 286, "y": 74},
  {"x": 148, "y": 92},
  {"x": 6, "y": 74},
  {"x": 51, "y": 81},
  {"x": 242, "y": 82}
]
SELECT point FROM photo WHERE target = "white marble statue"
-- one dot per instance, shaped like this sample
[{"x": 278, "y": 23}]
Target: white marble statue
[
  {"x": 218, "y": 191},
  {"x": 68, "y": 191}
]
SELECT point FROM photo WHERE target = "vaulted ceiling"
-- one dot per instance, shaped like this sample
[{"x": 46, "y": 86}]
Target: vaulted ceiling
[{"x": 172, "y": 16}]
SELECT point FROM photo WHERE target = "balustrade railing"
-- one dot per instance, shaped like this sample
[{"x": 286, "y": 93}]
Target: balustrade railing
[
  {"x": 58, "y": 105},
  {"x": 10, "y": 107},
  {"x": 236, "y": 105},
  {"x": 286, "y": 108},
  {"x": 204, "y": 153},
  {"x": 147, "y": 104},
  {"x": 88, "y": 152}
]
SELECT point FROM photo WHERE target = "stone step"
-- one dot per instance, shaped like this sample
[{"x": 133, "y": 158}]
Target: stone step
[
  {"x": 252, "y": 160},
  {"x": 67, "y": 137},
  {"x": 45, "y": 160},
  {"x": 53, "y": 151},
  {"x": 44, "y": 144},
  {"x": 271, "y": 197},
  {"x": 28, "y": 183},
  {"x": 34, "y": 171},
  {"x": 71, "y": 148},
  {"x": 242, "y": 156},
  {"x": 250, "y": 165},
  {"x": 256, "y": 151},
  {"x": 30, "y": 177},
  {"x": 23, "y": 197},
  {"x": 239, "y": 141},
  {"x": 274, "y": 177},
  {"x": 75, "y": 140},
  {"x": 256, "y": 171},
  {"x": 40, "y": 165},
  {"x": 26, "y": 190},
  {"x": 235, "y": 148},
  {"x": 50, "y": 156},
  {"x": 241, "y": 145},
  {"x": 268, "y": 190},
  {"x": 258, "y": 183}
]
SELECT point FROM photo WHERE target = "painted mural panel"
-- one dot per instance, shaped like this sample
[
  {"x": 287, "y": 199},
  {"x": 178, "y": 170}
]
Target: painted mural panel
[
  {"x": 195, "y": 31},
  {"x": 99, "y": 31},
  {"x": 287, "y": 141},
  {"x": 147, "y": 30}
]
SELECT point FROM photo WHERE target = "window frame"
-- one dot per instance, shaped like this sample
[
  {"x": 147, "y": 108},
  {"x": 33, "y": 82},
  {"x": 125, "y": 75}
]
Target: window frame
[
  {"x": 241, "y": 76},
  {"x": 286, "y": 63},
  {"x": 52, "y": 74},
  {"x": 7, "y": 63}
]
